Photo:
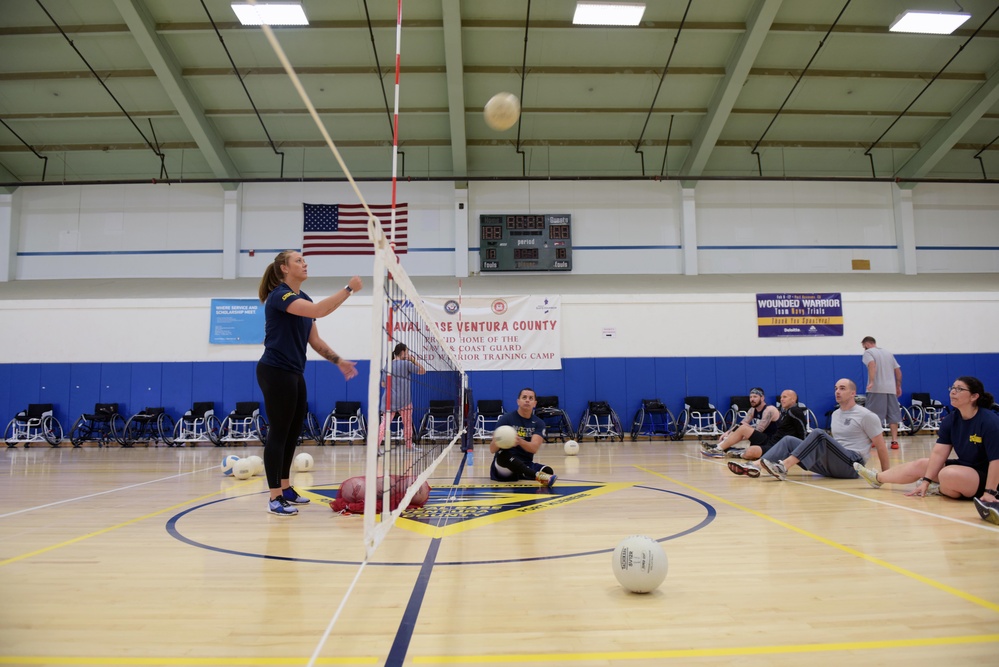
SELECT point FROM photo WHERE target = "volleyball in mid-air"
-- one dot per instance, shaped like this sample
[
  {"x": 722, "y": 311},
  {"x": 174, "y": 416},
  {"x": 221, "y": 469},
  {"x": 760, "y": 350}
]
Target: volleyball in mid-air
[
  {"x": 505, "y": 437},
  {"x": 571, "y": 448},
  {"x": 502, "y": 111},
  {"x": 304, "y": 462},
  {"x": 639, "y": 564}
]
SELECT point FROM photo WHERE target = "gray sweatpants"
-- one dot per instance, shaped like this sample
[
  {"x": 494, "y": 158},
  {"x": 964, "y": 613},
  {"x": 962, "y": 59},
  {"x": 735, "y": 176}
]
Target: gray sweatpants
[{"x": 818, "y": 453}]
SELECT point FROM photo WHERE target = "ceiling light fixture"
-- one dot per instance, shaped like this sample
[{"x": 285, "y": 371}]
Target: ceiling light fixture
[
  {"x": 932, "y": 23},
  {"x": 270, "y": 13},
  {"x": 608, "y": 13}
]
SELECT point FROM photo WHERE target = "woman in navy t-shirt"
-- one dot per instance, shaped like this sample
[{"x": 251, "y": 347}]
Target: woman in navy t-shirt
[{"x": 290, "y": 325}]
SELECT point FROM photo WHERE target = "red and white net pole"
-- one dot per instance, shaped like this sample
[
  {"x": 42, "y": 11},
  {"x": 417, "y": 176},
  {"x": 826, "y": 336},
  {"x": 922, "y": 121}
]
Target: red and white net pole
[{"x": 395, "y": 117}]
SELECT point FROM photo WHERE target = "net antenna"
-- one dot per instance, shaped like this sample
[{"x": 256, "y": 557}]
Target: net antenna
[{"x": 394, "y": 473}]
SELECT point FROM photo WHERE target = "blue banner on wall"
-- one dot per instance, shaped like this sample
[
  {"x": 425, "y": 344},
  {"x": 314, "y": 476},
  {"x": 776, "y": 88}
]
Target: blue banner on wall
[
  {"x": 812, "y": 314},
  {"x": 237, "y": 322}
]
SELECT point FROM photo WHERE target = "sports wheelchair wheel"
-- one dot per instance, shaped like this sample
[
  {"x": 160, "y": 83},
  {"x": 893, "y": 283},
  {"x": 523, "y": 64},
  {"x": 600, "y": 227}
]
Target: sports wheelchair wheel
[
  {"x": 164, "y": 429},
  {"x": 116, "y": 424},
  {"x": 912, "y": 419},
  {"x": 9, "y": 433},
  {"x": 213, "y": 428},
  {"x": 82, "y": 430},
  {"x": 52, "y": 431},
  {"x": 310, "y": 429}
]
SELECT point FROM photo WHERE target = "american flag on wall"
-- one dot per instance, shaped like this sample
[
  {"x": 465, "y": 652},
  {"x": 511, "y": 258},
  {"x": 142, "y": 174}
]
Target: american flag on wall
[{"x": 342, "y": 229}]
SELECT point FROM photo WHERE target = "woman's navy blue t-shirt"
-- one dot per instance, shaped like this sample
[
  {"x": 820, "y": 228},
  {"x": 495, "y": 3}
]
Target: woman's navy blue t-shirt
[{"x": 285, "y": 335}]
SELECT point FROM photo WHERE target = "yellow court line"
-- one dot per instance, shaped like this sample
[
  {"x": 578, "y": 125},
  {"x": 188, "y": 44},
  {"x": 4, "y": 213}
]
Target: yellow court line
[
  {"x": 102, "y": 531},
  {"x": 974, "y": 599},
  {"x": 178, "y": 662},
  {"x": 549, "y": 658}
]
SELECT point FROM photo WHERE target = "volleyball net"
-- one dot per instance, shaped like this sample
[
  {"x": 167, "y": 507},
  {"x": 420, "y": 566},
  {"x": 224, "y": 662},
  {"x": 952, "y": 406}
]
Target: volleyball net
[{"x": 416, "y": 397}]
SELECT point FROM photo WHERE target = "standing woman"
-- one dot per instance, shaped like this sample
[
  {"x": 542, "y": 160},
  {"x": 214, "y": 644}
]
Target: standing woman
[
  {"x": 404, "y": 366},
  {"x": 290, "y": 324}
]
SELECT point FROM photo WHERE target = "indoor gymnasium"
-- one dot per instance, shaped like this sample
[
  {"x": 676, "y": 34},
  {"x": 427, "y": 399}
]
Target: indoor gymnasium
[{"x": 540, "y": 332}]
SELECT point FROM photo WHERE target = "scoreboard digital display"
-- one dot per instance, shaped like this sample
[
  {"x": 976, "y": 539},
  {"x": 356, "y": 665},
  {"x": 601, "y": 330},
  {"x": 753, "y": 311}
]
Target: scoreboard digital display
[{"x": 537, "y": 242}]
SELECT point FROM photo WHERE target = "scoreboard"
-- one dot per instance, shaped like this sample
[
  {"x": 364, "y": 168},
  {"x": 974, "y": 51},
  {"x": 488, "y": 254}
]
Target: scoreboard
[{"x": 538, "y": 242}]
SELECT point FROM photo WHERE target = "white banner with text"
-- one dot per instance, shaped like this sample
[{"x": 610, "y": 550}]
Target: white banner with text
[{"x": 501, "y": 333}]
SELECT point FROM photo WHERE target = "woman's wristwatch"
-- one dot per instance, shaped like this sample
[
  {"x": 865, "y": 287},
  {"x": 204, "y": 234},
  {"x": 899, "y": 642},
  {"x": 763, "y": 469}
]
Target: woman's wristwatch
[
  {"x": 348, "y": 288},
  {"x": 994, "y": 492}
]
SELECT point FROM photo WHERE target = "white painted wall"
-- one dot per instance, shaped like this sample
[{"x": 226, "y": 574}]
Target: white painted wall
[{"x": 126, "y": 273}]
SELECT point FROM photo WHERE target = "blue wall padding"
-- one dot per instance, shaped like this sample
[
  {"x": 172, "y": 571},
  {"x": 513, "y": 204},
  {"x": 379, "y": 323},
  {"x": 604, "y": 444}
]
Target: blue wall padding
[{"x": 74, "y": 388}]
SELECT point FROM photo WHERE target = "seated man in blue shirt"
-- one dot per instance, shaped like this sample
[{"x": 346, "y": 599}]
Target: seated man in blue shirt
[{"x": 517, "y": 462}]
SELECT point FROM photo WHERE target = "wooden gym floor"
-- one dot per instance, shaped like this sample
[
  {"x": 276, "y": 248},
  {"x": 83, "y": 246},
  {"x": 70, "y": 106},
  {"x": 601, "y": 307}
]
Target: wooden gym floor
[{"x": 150, "y": 556}]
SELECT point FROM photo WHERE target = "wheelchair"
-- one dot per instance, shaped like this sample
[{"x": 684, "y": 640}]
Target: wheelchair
[
  {"x": 737, "y": 412},
  {"x": 600, "y": 422},
  {"x": 310, "y": 430},
  {"x": 104, "y": 425},
  {"x": 152, "y": 425},
  {"x": 199, "y": 424},
  {"x": 344, "y": 424},
  {"x": 931, "y": 411},
  {"x": 912, "y": 421},
  {"x": 654, "y": 419},
  {"x": 910, "y": 424},
  {"x": 700, "y": 417},
  {"x": 440, "y": 423},
  {"x": 36, "y": 424},
  {"x": 243, "y": 425},
  {"x": 811, "y": 421},
  {"x": 557, "y": 422},
  {"x": 486, "y": 414}
]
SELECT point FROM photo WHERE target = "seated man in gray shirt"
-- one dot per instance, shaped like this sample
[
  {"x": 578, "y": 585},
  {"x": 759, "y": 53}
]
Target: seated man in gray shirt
[{"x": 855, "y": 429}]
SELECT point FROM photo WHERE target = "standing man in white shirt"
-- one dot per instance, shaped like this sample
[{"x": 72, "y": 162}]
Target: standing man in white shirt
[{"x": 884, "y": 385}]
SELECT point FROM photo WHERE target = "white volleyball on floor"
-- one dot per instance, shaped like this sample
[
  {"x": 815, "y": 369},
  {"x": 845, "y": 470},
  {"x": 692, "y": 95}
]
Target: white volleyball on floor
[
  {"x": 227, "y": 463},
  {"x": 258, "y": 464},
  {"x": 502, "y": 111},
  {"x": 243, "y": 469},
  {"x": 571, "y": 448},
  {"x": 639, "y": 563},
  {"x": 304, "y": 462},
  {"x": 505, "y": 436}
]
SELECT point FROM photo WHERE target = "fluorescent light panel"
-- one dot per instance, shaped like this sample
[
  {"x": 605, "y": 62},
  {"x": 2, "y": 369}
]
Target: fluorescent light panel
[
  {"x": 933, "y": 23},
  {"x": 270, "y": 13},
  {"x": 608, "y": 13}
]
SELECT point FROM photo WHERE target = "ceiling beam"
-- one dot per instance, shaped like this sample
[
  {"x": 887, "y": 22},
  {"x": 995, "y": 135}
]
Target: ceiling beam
[
  {"x": 455, "y": 67},
  {"x": 944, "y": 139},
  {"x": 736, "y": 72},
  {"x": 168, "y": 71}
]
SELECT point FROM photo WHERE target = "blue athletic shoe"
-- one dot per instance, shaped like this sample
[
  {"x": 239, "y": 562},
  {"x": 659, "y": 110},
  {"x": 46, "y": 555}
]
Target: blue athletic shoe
[
  {"x": 545, "y": 479},
  {"x": 281, "y": 507},
  {"x": 291, "y": 495}
]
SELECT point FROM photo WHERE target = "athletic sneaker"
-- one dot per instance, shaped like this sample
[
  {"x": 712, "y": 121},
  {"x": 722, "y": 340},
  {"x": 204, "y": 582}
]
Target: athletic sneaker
[
  {"x": 546, "y": 479},
  {"x": 291, "y": 495},
  {"x": 870, "y": 476},
  {"x": 708, "y": 446},
  {"x": 740, "y": 468},
  {"x": 281, "y": 507},
  {"x": 894, "y": 444},
  {"x": 775, "y": 468},
  {"x": 988, "y": 510},
  {"x": 735, "y": 452},
  {"x": 713, "y": 453},
  {"x": 933, "y": 489}
]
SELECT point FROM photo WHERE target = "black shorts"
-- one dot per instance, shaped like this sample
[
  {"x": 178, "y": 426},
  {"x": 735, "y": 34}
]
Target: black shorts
[
  {"x": 983, "y": 474},
  {"x": 758, "y": 438}
]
